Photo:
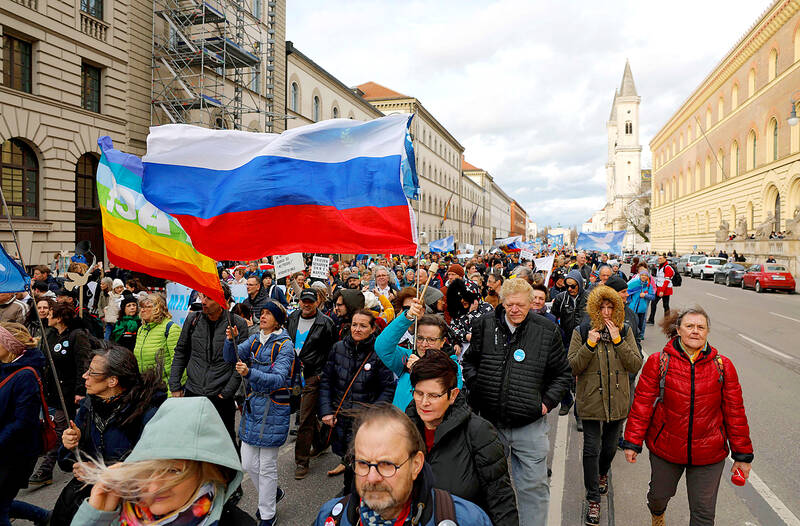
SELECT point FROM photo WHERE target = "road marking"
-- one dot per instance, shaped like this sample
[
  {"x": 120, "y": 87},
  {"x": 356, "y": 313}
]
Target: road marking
[
  {"x": 774, "y": 502},
  {"x": 715, "y": 296},
  {"x": 787, "y": 317},
  {"x": 558, "y": 481},
  {"x": 770, "y": 349}
]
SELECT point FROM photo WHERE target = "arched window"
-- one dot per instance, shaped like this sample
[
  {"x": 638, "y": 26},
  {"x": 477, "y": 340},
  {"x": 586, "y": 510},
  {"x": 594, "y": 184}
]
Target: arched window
[
  {"x": 295, "y": 97},
  {"x": 708, "y": 118},
  {"x": 720, "y": 109},
  {"x": 689, "y": 135},
  {"x": 628, "y": 128},
  {"x": 19, "y": 176},
  {"x": 698, "y": 181},
  {"x": 773, "y": 128},
  {"x": 707, "y": 173},
  {"x": 751, "y": 82},
  {"x": 680, "y": 142},
  {"x": 797, "y": 45},
  {"x": 772, "y": 69},
  {"x": 316, "y": 109},
  {"x": 734, "y": 171},
  {"x": 734, "y": 97},
  {"x": 751, "y": 149},
  {"x": 721, "y": 163},
  {"x": 335, "y": 112}
]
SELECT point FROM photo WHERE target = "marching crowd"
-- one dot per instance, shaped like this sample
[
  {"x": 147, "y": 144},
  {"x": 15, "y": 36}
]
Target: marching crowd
[{"x": 430, "y": 379}]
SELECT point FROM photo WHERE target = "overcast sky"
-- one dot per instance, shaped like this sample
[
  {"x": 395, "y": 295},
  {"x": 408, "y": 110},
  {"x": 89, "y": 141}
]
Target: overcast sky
[{"x": 526, "y": 86}]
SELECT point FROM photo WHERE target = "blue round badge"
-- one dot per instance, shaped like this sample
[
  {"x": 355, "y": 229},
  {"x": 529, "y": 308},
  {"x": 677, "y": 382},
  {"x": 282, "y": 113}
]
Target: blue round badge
[{"x": 519, "y": 355}]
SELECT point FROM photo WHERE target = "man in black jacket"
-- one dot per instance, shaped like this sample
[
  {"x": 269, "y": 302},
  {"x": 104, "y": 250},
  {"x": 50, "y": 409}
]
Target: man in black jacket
[
  {"x": 517, "y": 371},
  {"x": 313, "y": 335},
  {"x": 199, "y": 353},
  {"x": 256, "y": 296}
]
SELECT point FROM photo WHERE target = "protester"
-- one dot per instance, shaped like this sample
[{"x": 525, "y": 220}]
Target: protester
[
  {"x": 599, "y": 351},
  {"x": 42, "y": 309},
  {"x": 157, "y": 337},
  {"x": 516, "y": 371},
  {"x": 569, "y": 308},
  {"x": 111, "y": 309},
  {"x": 124, "y": 332},
  {"x": 136, "y": 287},
  {"x": 353, "y": 374},
  {"x": 493, "y": 284},
  {"x": 539, "y": 305},
  {"x": 393, "y": 483},
  {"x": 159, "y": 482},
  {"x": 265, "y": 360},
  {"x": 641, "y": 291},
  {"x": 10, "y": 310},
  {"x": 43, "y": 274},
  {"x": 256, "y": 296},
  {"x": 664, "y": 276},
  {"x": 313, "y": 334},
  {"x": 621, "y": 288},
  {"x": 696, "y": 390},
  {"x": 464, "y": 305},
  {"x": 557, "y": 278},
  {"x": 463, "y": 450},
  {"x": 273, "y": 291},
  {"x": 346, "y": 302},
  {"x": 238, "y": 276}
]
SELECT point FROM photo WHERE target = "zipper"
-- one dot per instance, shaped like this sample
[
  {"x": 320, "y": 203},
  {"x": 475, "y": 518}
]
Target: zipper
[
  {"x": 659, "y": 432},
  {"x": 691, "y": 421},
  {"x": 608, "y": 394},
  {"x": 724, "y": 439},
  {"x": 506, "y": 376}
]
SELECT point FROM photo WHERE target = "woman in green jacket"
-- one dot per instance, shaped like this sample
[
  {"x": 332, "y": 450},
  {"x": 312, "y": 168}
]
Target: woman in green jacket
[
  {"x": 157, "y": 337},
  {"x": 124, "y": 332}
]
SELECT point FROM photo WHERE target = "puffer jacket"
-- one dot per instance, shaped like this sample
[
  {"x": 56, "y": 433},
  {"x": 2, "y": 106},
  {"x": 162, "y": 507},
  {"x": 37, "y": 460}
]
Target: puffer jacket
[
  {"x": 265, "y": 422},
  {"x": 570, "y": 310},
  {"x": 603, "y": 390},
  {"x": 510, "y": 375},
  {"x": 636, "y": 287},
  {"x": 702, "y": 415},
  {"x": 256, "y": 304},
  {"x": 468, "y": 460},
  {"x": 20, "y": 404},
  {"x": 207, "y": 373},
  {"x": 375, "y": 383},
  {"x": 319, "y": 341},
  {"x": 155, "y": 342}
]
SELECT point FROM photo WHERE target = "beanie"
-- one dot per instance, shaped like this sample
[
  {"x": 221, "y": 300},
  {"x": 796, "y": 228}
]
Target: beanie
[
  {"x": 617, "y": 283},
  {"x": 117, "y": 283},
  {"x": 277, "y": 312},
  {"x": 127, "y": 297},
  {"x": 455, "y": 268}
]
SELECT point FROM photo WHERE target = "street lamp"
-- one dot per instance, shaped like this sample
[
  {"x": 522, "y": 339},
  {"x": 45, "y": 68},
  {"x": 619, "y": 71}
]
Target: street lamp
[{"x": 793, "y": 119}]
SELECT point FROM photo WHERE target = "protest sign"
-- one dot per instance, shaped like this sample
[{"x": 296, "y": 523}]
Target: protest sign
[
  {"x": 545, "y": 265},
  {"x": 525, "y": 254},
  {"x": 178, "y": 299},
  {"x": 319, "y": 267},
  {"x": 288, "y": 264}
]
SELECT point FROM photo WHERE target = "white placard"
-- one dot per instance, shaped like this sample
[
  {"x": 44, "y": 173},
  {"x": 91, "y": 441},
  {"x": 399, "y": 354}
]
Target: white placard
[
  {"x": 469, "y": 248},
  {"x": 525, "y": 254},
  {"x": 288, "y": 264},
  {"x": 319, "y": 267},
  {"x": 545, "y": 265},
  {"x": 178, "y": 299}
]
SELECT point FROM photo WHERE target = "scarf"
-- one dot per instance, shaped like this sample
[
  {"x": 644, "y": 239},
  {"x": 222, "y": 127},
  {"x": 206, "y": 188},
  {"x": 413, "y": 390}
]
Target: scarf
[
  {"x": 195, "y": 513},
  {"x": 371, "y": 518}
]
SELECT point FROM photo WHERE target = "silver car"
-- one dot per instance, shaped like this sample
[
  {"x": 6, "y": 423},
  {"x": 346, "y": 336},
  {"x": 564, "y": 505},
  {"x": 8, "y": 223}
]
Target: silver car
[
  {"x": 686, "y": 266},
  {"x": 705, "y": 268}
]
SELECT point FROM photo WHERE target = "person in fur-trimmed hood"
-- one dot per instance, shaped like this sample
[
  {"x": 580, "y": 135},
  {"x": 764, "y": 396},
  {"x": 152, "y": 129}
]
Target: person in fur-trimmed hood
[{"x": 601, "y": 353}]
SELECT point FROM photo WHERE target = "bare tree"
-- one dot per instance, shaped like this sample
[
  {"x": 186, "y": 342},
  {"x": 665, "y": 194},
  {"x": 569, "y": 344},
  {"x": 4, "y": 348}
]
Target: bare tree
[{"x": 637, "y": 216}]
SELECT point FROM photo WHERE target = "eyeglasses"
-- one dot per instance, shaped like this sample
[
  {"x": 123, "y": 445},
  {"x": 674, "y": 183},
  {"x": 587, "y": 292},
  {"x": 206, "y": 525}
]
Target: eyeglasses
[
  {"x": 93, "y": 373},
  {"x": 433, "y": 397},
  {"x": 384, "y": 468},
  {"x": 423, "y": 339}
]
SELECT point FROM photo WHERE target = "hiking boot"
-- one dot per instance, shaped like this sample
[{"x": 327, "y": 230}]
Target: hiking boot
[
  {"x": 564, "y": 409},
  {"x": 657, "y": 520},
  {"x": 40, "y": 478},
  {"x": 593, "y": 513},
  {"x": 603, "y": 484},
  {"x": 300, "y": 472}
]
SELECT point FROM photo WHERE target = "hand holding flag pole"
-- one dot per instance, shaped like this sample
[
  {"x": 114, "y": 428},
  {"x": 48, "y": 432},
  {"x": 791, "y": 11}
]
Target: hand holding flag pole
[{"x": 431, "y": 271}]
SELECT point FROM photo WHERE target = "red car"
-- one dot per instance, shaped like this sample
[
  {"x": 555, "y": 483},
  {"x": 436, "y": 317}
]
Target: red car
[{"x": 768, "y": 276}]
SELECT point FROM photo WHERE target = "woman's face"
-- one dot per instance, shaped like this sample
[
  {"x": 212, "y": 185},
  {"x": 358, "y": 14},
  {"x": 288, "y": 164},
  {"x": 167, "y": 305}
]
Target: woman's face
[
  {"x": 162, "y": 502},
  {"x": 96, "y": 381},
  {"x": 267, "y": 322},
  {"x": 103, "y": 286},
  {"x": 130, "y": 309},
  {"x": 44, "y": 309},
  {"x": 118, "y": 289},
  {"x": 607, "y": 310},
  {"x": 52, "y": 322},
  {"x": 146, "y": 311},
  {"x": 361, "y": 327},
  {"x": 431, "y": 400},
  {"x": 693, "y": 331}
]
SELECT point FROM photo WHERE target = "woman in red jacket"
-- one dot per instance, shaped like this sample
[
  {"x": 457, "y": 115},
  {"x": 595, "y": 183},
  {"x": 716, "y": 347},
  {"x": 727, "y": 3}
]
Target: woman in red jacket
[{"x": 688, "y": 408}]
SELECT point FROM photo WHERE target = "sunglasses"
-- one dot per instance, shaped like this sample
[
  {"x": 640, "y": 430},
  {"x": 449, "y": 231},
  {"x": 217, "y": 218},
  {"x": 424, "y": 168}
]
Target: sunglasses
[{"x": 573, "y": 286}]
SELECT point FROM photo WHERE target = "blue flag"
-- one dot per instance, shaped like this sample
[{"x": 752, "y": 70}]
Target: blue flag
[
  {"x": 446, "y": 244},
  {"x": 555, "y": 240},
  {"x": 13, "y": 277},
  {"x": 607, "y": 242}
]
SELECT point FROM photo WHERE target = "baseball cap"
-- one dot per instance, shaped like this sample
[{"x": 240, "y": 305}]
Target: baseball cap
[{"x": 308, "y": 295}]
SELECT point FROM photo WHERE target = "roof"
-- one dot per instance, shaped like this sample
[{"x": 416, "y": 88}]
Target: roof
[
  {"x": 465, "y": 166},
  {"x": 613, "y": 116},
  {"x": 627, "y": 88},
  {"x": 374, "y": 91}
]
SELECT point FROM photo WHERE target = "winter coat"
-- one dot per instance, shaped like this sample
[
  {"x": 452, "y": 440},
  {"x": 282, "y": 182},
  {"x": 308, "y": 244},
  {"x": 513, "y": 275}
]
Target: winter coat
[
  {"x": 570, "y": 310},
  {"x": 636, "y": 287},
  {"x": 103, "y": 434},
  {"x": 265, "y": 422},
  {"x": 111, "y": 310},
  {"x": 12, "y": 311},
  {"x": 468, "y": 460},
  {"x": 375, "y": 383},
  {"x": 422, "y": 497},
  {"x": 207, "y": 373},
  {"x": 206, "y": 440},
  {"x": 276, "y": 293},
  {"x": 702, "y": 415},
  {"x": 319, "y": 341},
  {"x": 71, "y": 355},
  {"x": 155, "y": 342},
  {"x": 603, "y": 389},
  {"x": 124, "y": 332},
  {"x": 20, "y": 405},
  {"x": 462, "y": 325},
  {"x": 256, "y": 304},
  {"x": 510, "y": 375},
  {"x": 395, "y": 357},
  {"x": 664, "y": 276}
]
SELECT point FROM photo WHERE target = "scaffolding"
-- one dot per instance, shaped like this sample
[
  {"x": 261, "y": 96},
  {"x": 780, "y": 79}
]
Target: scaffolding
[{"x": 207, "y": 63}]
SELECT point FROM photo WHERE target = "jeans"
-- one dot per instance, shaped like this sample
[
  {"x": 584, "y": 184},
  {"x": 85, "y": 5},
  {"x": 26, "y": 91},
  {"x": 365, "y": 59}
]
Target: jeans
[
  {"x": 28, "y": 512},
  {"x": 664, "y": 300},
  {"x": 528, "y": 446},
  {"x": 599, "y": 447},
  {"x": 702, "y": 485},
  {"x": 14, "y": 475},
  {"x": 308, "y": 432},
  {"x": 107, "y": 331},
  {"x": 261, "y": 463},
  {"x": 641, "y": 317}
]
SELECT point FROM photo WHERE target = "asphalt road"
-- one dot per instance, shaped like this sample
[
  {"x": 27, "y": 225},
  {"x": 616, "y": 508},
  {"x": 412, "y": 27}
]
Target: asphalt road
[{"x": 758, "y": 332}]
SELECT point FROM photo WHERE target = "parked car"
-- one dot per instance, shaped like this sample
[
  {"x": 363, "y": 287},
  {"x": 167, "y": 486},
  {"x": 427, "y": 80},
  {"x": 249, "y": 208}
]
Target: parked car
[
  {"x": 691, "y": 260},
  {"x": 652, "y": 264},
  {"x": 706, "y": 267},
  {"x": 768, "y": 276},
  {"x": 730, "y": 274}
]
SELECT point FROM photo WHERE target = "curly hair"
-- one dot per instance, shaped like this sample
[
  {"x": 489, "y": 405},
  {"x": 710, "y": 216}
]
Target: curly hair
[
  {"x": 160, "y": 311},
  {"x": 673, "y": 318}
]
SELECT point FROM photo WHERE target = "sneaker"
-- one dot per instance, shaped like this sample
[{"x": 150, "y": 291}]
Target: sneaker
[
  {"x": 268, "y": 522},
  {"x": 300, "y": 472},
  {"x": 279, "y": 495},
  {"x": 603, "y": 485},
  {"x": 657, "y": 520},
  {"x": 593, "y": 513},
  {"x": 40, "y": 478},
  {"x": 564, "y": 411}
]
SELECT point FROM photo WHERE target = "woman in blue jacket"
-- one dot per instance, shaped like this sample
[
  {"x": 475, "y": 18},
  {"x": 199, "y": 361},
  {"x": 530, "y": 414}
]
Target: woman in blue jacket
[
  {"x": 641, "y": 291},
  {"x": 265, "y": 360}
]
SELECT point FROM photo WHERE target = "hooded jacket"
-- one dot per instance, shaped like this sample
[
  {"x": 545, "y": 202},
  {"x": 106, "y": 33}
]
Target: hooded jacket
[
  {"x": 603, "y": 389},
  {"x": 203, "y": 438},
  {"x": 20, "y": 405},
  {"x": 568, "y": 309},
  {"x": 636, "y": 286},
  {"x": 468, "y": 460}
]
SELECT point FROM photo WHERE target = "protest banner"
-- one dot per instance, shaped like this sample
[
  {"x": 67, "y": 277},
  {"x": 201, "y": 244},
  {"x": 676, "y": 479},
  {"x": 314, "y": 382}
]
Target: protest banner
[
  {"x": 525, "y": 254},
  {"x": 319, "y": 267},
  {"x": 178, "y": 299},
  {"x": 545, "y": 265},
  {"x": 288, "y": 264}
]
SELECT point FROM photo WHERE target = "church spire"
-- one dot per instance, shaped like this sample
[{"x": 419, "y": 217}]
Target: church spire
[
  {"x": 627, "y": 88},
  {"x": 613, "y": 116}
]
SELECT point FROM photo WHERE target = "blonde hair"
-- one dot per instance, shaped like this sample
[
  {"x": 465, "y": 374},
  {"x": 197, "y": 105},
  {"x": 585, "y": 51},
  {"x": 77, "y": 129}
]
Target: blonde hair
[
  {"x": 160, "y": 311},
  {"x": 20, "y": 332},
  {"x": 80, "y": 268},
  {"x": 515, "y": 286}
]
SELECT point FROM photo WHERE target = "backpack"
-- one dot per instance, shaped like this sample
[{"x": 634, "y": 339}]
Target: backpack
[
  {"x": 47, "y": 426},
  {"x": 663, "y": 365},
  {"x": 676, "y": 278},
  {"x": 293, "y": 381},
  {"x": 444, "y": 509}
]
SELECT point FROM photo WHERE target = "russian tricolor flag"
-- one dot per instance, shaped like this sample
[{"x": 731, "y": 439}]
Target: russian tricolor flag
[{"x": 335, "y": 186}]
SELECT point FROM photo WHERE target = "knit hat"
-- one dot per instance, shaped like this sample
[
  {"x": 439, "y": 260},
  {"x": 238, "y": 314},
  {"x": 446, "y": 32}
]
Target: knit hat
[
  {"x": 277, "y": 312},
  {"x": 617, "y": 283},
  {"x": 117, "y": 283},
  {"x": 127, "y": 297},
  {"x": 456, "y": 269}
]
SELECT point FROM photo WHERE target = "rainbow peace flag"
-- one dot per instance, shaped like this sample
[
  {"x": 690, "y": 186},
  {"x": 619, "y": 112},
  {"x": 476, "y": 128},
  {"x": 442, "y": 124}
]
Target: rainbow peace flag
[{"x": 141, "y": 237}]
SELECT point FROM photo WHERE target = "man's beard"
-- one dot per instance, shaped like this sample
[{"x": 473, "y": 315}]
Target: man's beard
[{"x": 381, "y": 499}]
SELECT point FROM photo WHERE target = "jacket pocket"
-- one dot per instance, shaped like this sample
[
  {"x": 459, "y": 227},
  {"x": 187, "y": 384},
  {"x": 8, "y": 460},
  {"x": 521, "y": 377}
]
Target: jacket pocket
[
  {"x": 659, "y": 433},
  {"x": 724, "y": 438}
]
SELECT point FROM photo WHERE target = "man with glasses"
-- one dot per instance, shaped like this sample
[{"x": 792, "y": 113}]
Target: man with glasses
[
  {"x": 430, "y": 330},
  {"x": 392, "y": 482},
  {"x": 256, "y": 296}
]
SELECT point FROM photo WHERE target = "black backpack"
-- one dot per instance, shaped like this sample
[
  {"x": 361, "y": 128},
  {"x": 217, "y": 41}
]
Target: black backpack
[{"x": 676, "y": 277}]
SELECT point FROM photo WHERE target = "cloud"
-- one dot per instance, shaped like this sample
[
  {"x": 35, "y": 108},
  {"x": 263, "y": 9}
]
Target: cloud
[{"x": 527, "y": 86}]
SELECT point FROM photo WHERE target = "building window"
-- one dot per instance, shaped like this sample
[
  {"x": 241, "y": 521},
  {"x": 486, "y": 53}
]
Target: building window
[
  {"x": 17, "y": 62},
  {"x": 751, "y": 142},
  {"x": 773, "y": 64},
  {"x": 720, "y": 109},
  {"x": 93, "y": 8},
  {"x": 316, "y": 109},
  {"x": 708, "y": 118},
  {"x": 734, "y": 159},
  {"x": 734, "y": 97},
  {"x": 774, "y": 125},
  {"x": 295, "y": 96},
  {"x": 335, "y": 112},
  {"x": 19, "y": 177},
  {"x": 257, "y": 9},
  {"x": 90, "y": 96},
  {"x": 255, "y": 80},
  {"x": 751, "y": 82},
  {"x": 85, "y": 186},
  {"x": 628, "y": 128}
]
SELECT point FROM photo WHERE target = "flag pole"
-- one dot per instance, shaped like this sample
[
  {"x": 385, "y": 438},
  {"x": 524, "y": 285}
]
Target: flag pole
[
  {"x": 39, "y": 319},
  {"x": 419, "y": 254}
]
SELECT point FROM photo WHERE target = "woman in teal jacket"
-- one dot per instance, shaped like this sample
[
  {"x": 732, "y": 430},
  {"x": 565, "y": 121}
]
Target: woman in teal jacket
[
  {"x": 431, "y": 332},
  {"x": 641, "y": 291}
]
